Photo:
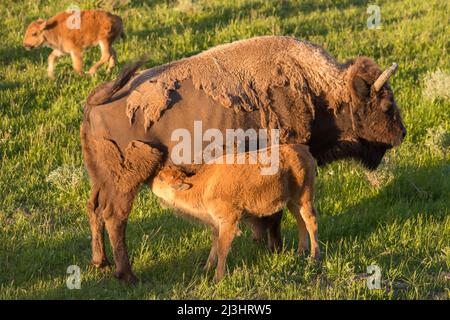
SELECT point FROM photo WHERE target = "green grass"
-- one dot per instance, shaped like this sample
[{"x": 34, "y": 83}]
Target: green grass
[{"x": 400, "y": 223}]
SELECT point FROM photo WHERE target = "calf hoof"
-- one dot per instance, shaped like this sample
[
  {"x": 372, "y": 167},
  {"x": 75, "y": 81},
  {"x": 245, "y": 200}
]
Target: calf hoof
[
  {"x": 92, "y": 72},
  {"x": 316, "y": 256},
  {"x": 127, "y": 277},
  {"x": 101, "y": 265},
  {"x": 208, "y": 266},
  {"x": 218, "y": 278}
]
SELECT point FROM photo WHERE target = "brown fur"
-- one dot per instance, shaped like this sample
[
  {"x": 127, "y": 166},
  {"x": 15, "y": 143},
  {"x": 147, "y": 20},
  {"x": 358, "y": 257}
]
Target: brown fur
[
  {"x": 265, "y": 82},
  {"x": 96, "y": 27},
  {"x": 115, "y": 179},
  {"x": 221, "y": 194}
]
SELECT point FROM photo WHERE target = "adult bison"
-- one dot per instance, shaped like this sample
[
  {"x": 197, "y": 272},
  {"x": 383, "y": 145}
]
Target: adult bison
[{"x": 339, "y": 110}]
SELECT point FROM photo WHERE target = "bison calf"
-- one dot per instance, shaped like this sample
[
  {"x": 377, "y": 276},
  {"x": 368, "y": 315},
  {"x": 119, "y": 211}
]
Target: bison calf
[
  {"x": 221, "y": 194},
  {"x": 70, "y": 33}
]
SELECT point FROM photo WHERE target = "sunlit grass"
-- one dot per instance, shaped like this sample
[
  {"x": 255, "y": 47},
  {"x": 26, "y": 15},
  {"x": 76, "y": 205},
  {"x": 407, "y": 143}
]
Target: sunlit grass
[{"x": 396, "y": 218}]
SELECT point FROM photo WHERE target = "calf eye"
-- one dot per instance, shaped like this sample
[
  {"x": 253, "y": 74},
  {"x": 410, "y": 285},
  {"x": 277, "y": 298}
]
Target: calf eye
[{"x": 34, "y": 34}]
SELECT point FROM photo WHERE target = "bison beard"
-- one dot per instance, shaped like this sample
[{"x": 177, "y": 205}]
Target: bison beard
[
  {"x": 369, "y": 154},
  {"x": 284, "y": 83}
]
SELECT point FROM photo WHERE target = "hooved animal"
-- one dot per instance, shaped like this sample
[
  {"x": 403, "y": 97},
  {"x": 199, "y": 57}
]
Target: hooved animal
[
  {"x": 221, "y": 194},
  {"x": 340, "y": 110},
  {"x": 71, "y": 33}
]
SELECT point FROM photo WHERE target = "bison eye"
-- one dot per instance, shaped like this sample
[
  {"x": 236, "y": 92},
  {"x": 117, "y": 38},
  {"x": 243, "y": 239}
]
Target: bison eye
[{"x": 34, "y": 34}]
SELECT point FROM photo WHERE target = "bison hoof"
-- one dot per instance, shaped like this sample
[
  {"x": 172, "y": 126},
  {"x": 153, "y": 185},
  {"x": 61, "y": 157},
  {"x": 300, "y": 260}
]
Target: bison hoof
[
  {"x": 259, "y": 238},
  {"x": 275, "y": 245},
  {"x": 127, "y": 277}
]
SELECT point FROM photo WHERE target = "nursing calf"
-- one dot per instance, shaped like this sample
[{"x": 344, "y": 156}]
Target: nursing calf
[
  {"x": 71, "y": 33},
  {"x": 220, "y": 195}
]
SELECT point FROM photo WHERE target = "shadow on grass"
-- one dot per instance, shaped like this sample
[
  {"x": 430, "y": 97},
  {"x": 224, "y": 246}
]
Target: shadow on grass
[
  {"x": 413, "y": 192},
  {"x": 16, "y": 53},
  {"x": 226, "y": 15}
]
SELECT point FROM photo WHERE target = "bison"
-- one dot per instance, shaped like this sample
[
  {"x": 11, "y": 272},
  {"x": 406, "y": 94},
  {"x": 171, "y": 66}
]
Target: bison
[
  {"x": 71, "y": 33},
  {"x": 206, "y": 196},
  {"x": 340, "y": 110}
]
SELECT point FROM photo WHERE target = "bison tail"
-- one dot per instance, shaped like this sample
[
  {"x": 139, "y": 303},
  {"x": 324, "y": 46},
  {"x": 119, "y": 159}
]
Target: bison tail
[{"x": 105, "y": 91}]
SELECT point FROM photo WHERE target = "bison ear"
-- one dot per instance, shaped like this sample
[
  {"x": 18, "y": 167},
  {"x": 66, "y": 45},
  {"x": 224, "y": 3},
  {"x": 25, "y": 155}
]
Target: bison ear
[{"x": 360, "y": 88}]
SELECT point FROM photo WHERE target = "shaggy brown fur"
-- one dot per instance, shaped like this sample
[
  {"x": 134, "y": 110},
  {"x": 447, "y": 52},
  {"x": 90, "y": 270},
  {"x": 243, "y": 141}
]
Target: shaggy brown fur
[
  {"x": 221, "y": 194},
  {"x": 265, "y": 82},
  {"x": 96, "y": 27},
  {"x": 242, "y": 84},
  {"x": 115, "y": 179}
]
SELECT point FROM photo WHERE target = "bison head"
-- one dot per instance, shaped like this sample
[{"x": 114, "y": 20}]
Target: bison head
[
  {"x": 368, "y": 125},
  {"x": 34, "y": 35},
  {"x": 375, "y": 115}
]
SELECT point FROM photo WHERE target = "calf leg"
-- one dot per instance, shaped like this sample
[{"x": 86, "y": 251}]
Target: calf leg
[
  {"x": 212, "y": 258},
  {"x": 52, "y": 62},
  {"x": 77, "y": 61},
  {"x": 227, "y": 232},
  {"x": 97, "y": 225},
  {"x": 309, "y": 215},
  {"x": 105, "y": 48},
  {"x": 302, "y": 231},
  {"x": 112, "y": 60}
]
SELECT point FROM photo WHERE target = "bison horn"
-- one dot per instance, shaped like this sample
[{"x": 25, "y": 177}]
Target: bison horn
[{"x": 384, "y": 77}]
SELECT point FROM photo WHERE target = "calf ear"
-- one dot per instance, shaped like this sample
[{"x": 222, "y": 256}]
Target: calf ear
[
  {"x": 42, "y": 24},
  {"x": 181, "y": 186}
]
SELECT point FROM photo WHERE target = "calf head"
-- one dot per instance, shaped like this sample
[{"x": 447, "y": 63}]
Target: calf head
[
  {"x": 34, "y": 35},
  {"x": 173, "y": 177}
]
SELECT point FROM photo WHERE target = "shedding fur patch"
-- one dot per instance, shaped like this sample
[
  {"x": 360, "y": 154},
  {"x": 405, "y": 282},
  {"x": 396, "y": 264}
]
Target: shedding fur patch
[
  {"x": 240, "y": 76},
  {"x": 153, "y": 97}
]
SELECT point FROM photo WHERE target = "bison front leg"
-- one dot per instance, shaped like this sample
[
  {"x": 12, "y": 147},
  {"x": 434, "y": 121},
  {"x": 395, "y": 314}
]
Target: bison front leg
[
  {"x": 122, "y": 176},
  {"x": 274, "y": 225},
  {"x": 267, "y": 227},
  {"x": 97, "y": 224}
]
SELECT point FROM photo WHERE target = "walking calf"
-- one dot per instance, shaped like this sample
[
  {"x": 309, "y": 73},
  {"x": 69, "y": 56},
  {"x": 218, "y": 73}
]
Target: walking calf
[
  {"x": 67, "y": 33},
  {"x": 221, "y": 194}
]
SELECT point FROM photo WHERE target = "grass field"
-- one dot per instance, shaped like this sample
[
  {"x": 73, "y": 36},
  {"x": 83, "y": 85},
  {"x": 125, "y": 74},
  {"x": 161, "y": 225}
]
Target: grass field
[{"x": 396, "y": 218}]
